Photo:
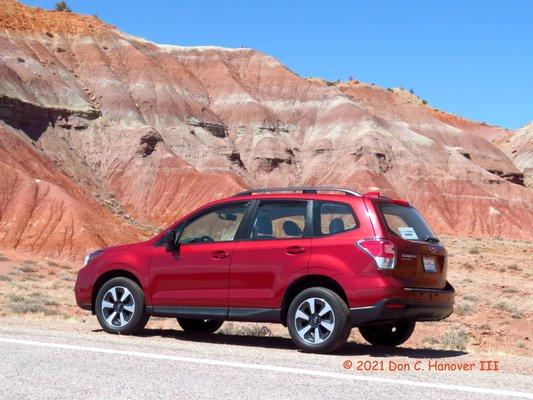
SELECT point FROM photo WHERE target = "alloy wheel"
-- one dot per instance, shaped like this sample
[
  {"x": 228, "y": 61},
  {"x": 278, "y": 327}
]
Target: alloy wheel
[
  {"x": 118, "y": 306},
  {"x": 314, "y": 320}
]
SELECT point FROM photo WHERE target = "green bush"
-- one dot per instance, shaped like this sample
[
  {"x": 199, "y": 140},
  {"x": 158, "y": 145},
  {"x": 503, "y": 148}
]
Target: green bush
[{"x": 62, "y": 6}]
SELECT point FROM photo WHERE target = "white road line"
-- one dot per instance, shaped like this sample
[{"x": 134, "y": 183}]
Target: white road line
[{"x": 273, "y": 368}]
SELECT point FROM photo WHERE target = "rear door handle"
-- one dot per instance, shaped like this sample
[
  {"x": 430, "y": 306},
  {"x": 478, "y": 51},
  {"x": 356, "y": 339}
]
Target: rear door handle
[
  {"x": 219, "y": 254},
  {"x": 295, "y": 250}
]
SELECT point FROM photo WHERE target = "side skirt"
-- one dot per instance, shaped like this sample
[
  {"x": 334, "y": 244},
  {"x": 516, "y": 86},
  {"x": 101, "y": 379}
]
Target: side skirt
[{"x": 219, "y": 313}]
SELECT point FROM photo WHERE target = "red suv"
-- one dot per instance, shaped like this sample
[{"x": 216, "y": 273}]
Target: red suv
[{"x": 318, "y": 260}]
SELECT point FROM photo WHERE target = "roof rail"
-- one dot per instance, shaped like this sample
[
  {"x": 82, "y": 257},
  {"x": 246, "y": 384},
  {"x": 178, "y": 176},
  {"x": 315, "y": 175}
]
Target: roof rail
[{"x": 303, "y": 189}]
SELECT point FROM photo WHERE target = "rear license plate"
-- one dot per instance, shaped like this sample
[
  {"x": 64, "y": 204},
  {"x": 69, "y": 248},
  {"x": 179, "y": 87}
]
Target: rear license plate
[{"x": 430, "y": 264}]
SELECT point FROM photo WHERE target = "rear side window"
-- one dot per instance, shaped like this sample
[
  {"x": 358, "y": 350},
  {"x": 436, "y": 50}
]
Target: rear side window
[
  {"x": 331, "y": 218},
  {"x": 405, "y": 222},
  {"x": 279, "y": 220}
]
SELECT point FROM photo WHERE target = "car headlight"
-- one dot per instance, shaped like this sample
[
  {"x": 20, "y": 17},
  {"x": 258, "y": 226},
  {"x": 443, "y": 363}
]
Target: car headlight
[{"x": 91, "y": 256}]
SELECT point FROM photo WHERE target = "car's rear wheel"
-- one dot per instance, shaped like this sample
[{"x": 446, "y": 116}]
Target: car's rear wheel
[
  {"x": 200, "y": 325},
  {"x": 120, "y": 306},
  {"x": 318, "y": 320},
  {"x": 389, "y": 334}
]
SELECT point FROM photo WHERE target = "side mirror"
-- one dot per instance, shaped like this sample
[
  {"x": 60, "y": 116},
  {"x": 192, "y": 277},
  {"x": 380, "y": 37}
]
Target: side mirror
[{"x": 172, "y": 240}]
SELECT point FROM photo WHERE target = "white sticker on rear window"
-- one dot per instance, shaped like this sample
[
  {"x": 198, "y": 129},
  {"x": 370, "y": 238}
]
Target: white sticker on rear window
[{"x": 407, "y": 232}]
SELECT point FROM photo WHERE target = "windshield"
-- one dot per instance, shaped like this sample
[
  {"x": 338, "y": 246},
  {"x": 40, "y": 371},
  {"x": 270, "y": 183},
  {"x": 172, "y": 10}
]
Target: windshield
[{"x": 406, "y": 222}]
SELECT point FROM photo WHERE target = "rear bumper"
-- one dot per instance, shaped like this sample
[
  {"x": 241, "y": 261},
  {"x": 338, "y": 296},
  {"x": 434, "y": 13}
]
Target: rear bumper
[{"x": 416, "y": 305}]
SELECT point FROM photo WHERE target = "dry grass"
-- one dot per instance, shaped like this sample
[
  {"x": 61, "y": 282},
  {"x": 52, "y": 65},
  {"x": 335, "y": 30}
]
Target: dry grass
[{"x": 32, "y": 303}]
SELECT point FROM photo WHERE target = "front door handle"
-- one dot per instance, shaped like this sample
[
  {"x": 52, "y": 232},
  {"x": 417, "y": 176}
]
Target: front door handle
[
  {"x": 295, "y": 250},
  {"x": 219, "y": 254}
]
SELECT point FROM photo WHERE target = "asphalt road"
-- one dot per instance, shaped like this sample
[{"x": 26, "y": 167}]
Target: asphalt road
[{"x": 169, "y": 364}]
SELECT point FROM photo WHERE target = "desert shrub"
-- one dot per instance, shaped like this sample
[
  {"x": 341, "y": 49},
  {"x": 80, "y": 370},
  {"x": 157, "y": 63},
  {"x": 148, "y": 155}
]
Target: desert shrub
[
  {"x": 455, "y": 339},
  {"x": 27, "y": 268},
  {"x": 3, "y": 257},
  {"x": 430, "y": 341},
  {"x": 51, "y": 263},
  {"x": 67, "y": 277},
  {"x": 246, "y": 330},
  {"x": 62, "y": 6},
  {"x": 65, "y": 266},
  {"x": 484, "y": 327},
  {"x": 503, "y": 305},
  {"x": 510, "y": 290},
  {"x": 463, "y": 309},
  {"x": 468, "y": 266},
  {"x": 470, "y": 297},
  {"x": 5, "y": 278},
  {"x": 514, "y": 267},
  {"x": 474, "y": 250}
]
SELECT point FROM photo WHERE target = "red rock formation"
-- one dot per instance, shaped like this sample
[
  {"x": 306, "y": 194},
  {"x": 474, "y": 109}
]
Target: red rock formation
[
  {"x": 43, "y": 212},
  {"x": 155, "y": 130}
]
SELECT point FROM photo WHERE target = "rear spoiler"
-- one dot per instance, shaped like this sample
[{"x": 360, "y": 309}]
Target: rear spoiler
[{"x": 377, "y": 195}]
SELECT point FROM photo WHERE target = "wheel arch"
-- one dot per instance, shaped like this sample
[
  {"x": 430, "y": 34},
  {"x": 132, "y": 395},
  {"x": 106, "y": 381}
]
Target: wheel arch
[
  {"x": 106, "y": 276},
  {"x": 306, "y": 282}
]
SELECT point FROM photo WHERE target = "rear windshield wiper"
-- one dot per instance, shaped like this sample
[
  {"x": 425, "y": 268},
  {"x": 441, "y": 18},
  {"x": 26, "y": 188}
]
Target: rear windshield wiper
[{"x": 431, "y": 239}]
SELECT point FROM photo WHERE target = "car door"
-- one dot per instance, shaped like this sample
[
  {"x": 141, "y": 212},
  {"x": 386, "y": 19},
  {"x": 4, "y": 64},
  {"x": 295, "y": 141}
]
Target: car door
[
  {"x": 274, "y": 251},
  {"x": 195, "y": 274}
]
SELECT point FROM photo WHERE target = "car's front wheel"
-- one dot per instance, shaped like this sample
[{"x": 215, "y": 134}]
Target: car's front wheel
[
  {"x": 318, "y": 320},
  {"x": 120, "y": 306},
  {"x": 199, "y": 325},
  {"x": 389, "y": 334}
]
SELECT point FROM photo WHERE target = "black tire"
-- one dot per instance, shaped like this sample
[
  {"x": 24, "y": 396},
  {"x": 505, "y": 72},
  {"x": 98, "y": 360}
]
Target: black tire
[
  {"x": 389, "y": 334},
  {"x": 338, "y": 317},
  {"x": 136, "y": 320},
  {"x": 200, "y": 325}
]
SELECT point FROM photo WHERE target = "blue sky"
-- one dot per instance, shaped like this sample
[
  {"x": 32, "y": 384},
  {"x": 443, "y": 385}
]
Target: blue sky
[{"x": 473, "y": 58}]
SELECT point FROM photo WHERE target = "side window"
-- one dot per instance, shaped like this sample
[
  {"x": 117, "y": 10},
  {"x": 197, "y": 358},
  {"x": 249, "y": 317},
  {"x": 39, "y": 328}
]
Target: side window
[
  {"x": 219, "y": 225},
  {"x": 334, "y": 218},
  {"x": 279, "y": 220}
]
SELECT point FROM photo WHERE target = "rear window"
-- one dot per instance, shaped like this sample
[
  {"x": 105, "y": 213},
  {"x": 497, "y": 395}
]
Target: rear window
[{"x": 405, "y": 222}]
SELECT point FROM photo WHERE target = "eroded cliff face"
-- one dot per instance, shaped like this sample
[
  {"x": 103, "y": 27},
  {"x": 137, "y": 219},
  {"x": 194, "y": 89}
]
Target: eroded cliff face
[
  {"x": 144, "y": 133},
  {"x": 519, "y": 147}
]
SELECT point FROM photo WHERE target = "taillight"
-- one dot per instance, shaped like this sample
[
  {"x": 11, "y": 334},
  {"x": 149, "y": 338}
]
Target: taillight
[{"x": 381, "y": 250}]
